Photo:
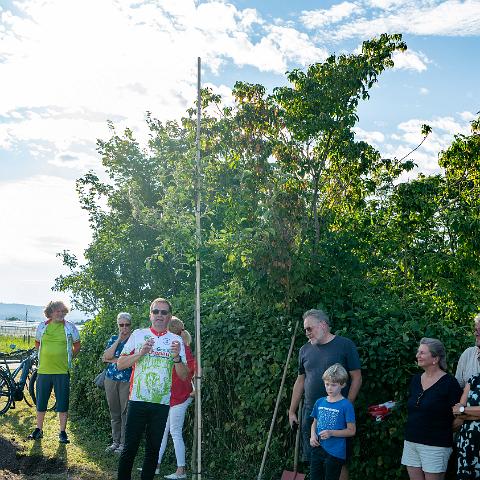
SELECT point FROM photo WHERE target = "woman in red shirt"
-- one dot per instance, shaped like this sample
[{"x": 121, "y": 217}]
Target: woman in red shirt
[{"x": 181, "y": 397}]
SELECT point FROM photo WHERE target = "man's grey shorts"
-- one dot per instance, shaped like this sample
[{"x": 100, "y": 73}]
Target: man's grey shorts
[{"x": 60, "y": 382}]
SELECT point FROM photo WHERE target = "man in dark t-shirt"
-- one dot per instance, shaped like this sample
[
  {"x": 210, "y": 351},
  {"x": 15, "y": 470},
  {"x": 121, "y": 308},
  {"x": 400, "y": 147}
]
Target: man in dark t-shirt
[{"x": 322, "y": 350}]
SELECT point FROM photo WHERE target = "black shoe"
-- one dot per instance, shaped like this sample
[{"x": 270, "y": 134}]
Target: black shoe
[
  {"x": 63, "y": 437},
  {"x": 37, "y": 434}
]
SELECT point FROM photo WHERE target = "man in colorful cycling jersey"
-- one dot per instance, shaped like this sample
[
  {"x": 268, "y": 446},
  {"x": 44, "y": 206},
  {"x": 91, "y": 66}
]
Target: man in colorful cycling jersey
[{"x": 153, "y": 352}]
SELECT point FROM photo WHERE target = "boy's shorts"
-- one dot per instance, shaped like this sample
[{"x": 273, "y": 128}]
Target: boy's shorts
[{"x": 427, "y": 457}]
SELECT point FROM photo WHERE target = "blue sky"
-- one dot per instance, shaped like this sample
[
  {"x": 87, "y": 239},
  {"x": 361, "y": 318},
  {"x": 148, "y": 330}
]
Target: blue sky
[{"x": 68, "y": 66}]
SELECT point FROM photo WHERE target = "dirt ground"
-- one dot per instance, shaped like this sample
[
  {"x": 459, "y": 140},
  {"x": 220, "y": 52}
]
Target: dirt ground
[{"x": 15, "y": 466}]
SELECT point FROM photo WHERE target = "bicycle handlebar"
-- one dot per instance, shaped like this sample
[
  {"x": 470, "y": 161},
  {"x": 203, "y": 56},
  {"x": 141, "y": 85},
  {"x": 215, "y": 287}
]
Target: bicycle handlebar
[{"x": 16, "y": 353}]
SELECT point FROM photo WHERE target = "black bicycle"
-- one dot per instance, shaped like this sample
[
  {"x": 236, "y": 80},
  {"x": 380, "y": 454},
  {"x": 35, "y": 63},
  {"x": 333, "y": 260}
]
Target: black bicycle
[{"x": 19, "y": 384}]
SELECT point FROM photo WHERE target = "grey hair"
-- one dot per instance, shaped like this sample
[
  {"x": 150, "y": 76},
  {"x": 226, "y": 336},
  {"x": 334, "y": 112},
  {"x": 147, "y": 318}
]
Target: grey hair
[
  {"x": 437, "y": 350},
  {"x": 125, "y": 316},
  {"x": 318, "y": 315},
  {"x": 477, "y": 319}
]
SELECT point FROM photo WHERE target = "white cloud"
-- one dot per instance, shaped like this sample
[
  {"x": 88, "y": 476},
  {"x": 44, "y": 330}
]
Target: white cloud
[
  {"x": 43, "y": 218},
  {"x": 467, "y": 116},
  {"x": 426, "y": 157},
  {"x": 374, "y": 138},
  {"x": 296, "y": 46},
  {"x": 318, "y": 18},
  {"x": 407, "y": 60},
  {"x": 410, "y": 60},
  {"x": 68, "y": 67},
  {"x": 52, "y": 134},
  {"x": 408, "y": 137},
  {"x": 385, "y": 4},
  {"x": 424, "y": 91},
  {"x": 427, "y": 163},
  {"x": 418, "y": 17},
  {"x": 76, "y": 160},
  {"x": 225, "y": 92}
]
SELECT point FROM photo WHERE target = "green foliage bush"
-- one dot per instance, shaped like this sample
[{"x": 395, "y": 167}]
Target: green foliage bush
[{"x": 244, "y": 349}]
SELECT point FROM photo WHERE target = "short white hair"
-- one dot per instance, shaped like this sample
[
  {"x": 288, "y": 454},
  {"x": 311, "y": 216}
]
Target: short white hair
[{"x": 125, "y": 316}]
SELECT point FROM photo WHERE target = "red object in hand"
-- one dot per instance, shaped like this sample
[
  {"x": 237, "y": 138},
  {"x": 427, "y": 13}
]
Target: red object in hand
[{"x": 381, "y": 410}]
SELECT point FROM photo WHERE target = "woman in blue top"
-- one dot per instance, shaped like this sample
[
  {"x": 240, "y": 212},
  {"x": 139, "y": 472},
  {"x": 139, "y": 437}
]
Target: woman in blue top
[{"x": 117, "y": 382}]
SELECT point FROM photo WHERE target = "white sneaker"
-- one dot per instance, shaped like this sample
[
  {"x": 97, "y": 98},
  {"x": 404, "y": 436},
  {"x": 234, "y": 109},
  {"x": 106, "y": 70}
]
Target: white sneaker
[
  {"x": 175, "y": 476},
  {"x": 112, "y": 448},
  {"x": 157, "y": 470},
  {"x": 118, "y": 450}
]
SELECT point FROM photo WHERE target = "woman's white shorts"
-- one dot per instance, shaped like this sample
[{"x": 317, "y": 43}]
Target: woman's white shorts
[{"x": 430, "y": 459}]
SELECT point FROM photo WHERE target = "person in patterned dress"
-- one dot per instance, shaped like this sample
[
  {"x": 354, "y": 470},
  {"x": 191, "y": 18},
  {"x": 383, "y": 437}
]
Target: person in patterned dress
[
  {"x": 469, "y": 361},
  {"x": 468, "y": 438},
  {"x": 117, "y": 382}
]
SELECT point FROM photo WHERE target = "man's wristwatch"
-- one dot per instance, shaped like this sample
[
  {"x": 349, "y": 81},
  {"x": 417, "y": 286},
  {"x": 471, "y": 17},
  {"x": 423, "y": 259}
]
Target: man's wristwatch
[
  {"x": 461, "y": 409},
  {"x": 177, "y": 359}
]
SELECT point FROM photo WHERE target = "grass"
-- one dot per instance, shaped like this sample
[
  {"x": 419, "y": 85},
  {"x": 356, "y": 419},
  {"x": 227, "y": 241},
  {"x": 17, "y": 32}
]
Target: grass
[
  {"x": 83, "y": 459},
  {"x": 20, "y": 343}
]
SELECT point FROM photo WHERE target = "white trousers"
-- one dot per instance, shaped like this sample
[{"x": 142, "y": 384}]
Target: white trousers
[{"x": 176, "y": 417}]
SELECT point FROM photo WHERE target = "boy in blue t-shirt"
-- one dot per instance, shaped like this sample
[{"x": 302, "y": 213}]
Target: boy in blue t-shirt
[{"x": 334, "y": 420}]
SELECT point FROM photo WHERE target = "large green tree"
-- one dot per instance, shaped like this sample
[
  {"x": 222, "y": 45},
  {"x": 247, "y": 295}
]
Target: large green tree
[{"x": 296, "y": 213}]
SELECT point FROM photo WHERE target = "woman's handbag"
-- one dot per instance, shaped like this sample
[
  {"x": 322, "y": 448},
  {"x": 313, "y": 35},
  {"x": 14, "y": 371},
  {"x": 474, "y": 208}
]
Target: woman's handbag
[{"x": 99, "y": 380}]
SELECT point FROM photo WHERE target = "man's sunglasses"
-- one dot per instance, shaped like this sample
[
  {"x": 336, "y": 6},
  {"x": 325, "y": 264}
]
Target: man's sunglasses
[
  {"x": 124, "y": 324},
  {"x": 156, "y": 311}
]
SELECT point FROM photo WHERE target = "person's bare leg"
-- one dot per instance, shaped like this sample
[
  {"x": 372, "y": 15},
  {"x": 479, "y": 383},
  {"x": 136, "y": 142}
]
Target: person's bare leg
[
  {"x": 434, "y": 476},
  {"x": 62, "y": 418},
  {"x": 415, "y": 473},
  {"x": 344, "y": 473},
  {"x": 40, "y": 419}
]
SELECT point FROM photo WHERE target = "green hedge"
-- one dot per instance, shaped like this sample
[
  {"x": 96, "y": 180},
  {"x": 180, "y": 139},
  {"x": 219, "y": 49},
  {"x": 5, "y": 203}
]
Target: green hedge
[{"x": 244, "y": 349}]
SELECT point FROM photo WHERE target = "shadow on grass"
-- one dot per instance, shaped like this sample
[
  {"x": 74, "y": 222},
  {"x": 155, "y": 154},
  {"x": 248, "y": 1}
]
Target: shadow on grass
[
  {"x": 93, "y": 439},
  {"x": 36, "y": 449},
  {"x": 83, "y": 459}
]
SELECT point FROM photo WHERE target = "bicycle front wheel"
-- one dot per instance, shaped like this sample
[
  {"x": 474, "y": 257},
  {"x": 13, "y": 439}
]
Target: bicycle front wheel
[
  {"x": 52, "y": 402},
  {"x": 29, "y": 399},
  {"x": 6, "y": 393}
]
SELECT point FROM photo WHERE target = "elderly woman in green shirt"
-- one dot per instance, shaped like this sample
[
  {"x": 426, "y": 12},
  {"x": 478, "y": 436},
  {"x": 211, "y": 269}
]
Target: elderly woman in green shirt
[{"x": 57, "y": 341}]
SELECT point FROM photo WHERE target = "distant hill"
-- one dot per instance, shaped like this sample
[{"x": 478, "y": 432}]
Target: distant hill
[{"x": 35, "y": 312}]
